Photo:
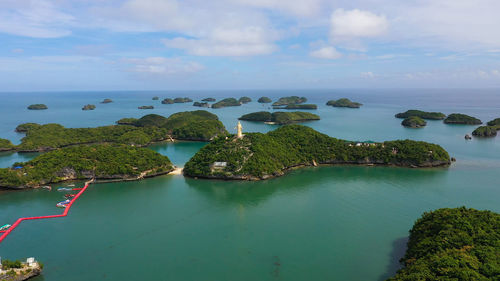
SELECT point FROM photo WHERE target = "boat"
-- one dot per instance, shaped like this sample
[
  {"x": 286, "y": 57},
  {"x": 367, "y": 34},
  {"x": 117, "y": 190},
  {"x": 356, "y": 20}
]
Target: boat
[
  {"x": 47, "y": 187},
  {"x": 68, "y": 196},
  {"x": 64, "y": 189},
  {"x": 63, "y": 204},
  {"x": 72, "y": 185},
  {"x": 4, "y": 227}
]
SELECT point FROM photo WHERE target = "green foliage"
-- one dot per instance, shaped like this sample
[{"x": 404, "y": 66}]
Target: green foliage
[
  {"x": 344, "y": 102},
  {"x": 8, "y": 264},
  {"x": 261, "y": 116},
  {"x": 167, "y": 101},
  {"x": 26, "y": 127},
  {"x": 151, "y": 120},
  {"x": 127, "y": 121},
  {"x": 290, "y": 100},
  {"x": 156, "y": 98},
  {"x": 494, "y": 122},
  {"x": 37, "y": 106},
  {"x": 208, "y": 99},
  {"x": 88, "y": 107},
  {"x": 280, "y": 117},
  {"x": 301, "y": 106},
  {"x": 414, "y": 122},
  {"x": 6, "y": 145},
  {"x": 226, "y": 102},
  {"x": 102, "y": 161},
  {"x": 264, "y": 100},
  {"x": 182, "y": 100},
  {"x": 486, "y": 131},
  {"x": 201, "y": 104},
  {"x": 146, "y": 107},
  {"x": 261, "y": 155},
  {"x": 422, "y": 114},
  {"x": 244, "y": 100},
  {"x": 457, "y": 118},
  {"x": 453, "y": 244}
]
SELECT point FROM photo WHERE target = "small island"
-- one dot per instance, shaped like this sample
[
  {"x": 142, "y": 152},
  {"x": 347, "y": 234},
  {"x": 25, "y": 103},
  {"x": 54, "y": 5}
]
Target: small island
[
  {"x": 156, "y": 98},
  {"x": 201, "y": 104},
  {"x": 344, "y": 102},
  {"x": 257, "y": 156},
  {"x": 244, "y": 100},
  {"x": 37, "y": 106},
  {"x": 414, "y": 122},
  {"x": 88, "y": 107},
  {"x": 421, "y": 114},
  {"x": 486, "y": 131},
  {"x": 453, "y": 244},
  {"x": 124, "y": 121},
  {"x": 280, "y": 118},
  {"x": 494, "y": 122},
  {"x": 226, "y": 102},
  {"x": 182, "y": 100},
  {"x": 19, "y": 271},
  {"x": 289, "y": 100},
  {"x": 301, "y": 106},
  {"x": 146, "y": 107},
  {"x": 107, "y": 101},
  {"x": 23, "y": 128},
  {"x": 6, "y": 145},
  {"x": 208, "y": 100},
  {"x": 462, "y": 119},
  {"x": 101, "y": 161},
  {"x": 264, "y": 100},
  {"x": 167, "y": 101}
]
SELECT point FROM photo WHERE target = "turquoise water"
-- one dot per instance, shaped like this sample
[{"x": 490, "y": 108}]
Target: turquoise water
[{"x": 327, "y": 223}]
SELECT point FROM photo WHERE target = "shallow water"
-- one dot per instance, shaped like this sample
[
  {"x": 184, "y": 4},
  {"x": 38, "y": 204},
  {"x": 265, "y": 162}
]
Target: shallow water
[{"x": 326, "y": 223}]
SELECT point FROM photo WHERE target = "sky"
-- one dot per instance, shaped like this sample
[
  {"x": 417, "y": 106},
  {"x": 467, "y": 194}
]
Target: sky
[{"x": 60, "y": 45}]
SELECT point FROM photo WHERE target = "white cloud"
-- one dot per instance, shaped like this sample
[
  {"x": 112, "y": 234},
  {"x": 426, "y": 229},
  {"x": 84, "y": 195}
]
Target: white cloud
[
  {"x": 326, "y": 53},
  {"x": 368, "y": 75},
  {"x": 357, "y": 24},
  {"x": 294, "y": 7},
  {"x": 162, "y": 66}
]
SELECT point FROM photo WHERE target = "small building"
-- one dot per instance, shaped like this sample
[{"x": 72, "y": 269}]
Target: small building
[
  {"x": 219, "y": 165},
  {"x": 31, "y": 261}
]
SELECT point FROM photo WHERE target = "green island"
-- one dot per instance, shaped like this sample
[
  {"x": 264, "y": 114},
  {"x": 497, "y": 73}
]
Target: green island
[
  {"x": 494, "y": 122},
  {"x": 156, "y": 98},
  {"x": 280, "y": 117},
  {"x": 146, "y": 107},
  {"x": 23, "y": 128},
  {"x": 6, "y": 145},
  {"x": 201, "y": 104},
  {"x": 208, "y": 99},
  {"x": 226, "y": 102},
  {"x": 421, "y": 114},
  {"x": 486, "y": 131},
  {"x": 457, "y": 118},
  {"x": 243, "y": 100},
  {"x": 100, "y": 161},
  {"x": 88, "y": 107},
  {"x": 414, "y": 122},
  {"x": 37, "y": 106},
  {"x": 106, "y": 101},
  {"x": 344, "y": 102},
  {"x": 289, "y": 100},
  {"x": 123, "y": 121},
  {"x": 264, "y": 100},
  {"x": 182, "y": 100},
  {"x": 258, "y": 156},
  {"x": 167, "y": 101},
  {"x": 453, "y": 244},
  {"x": 301, "y": 106}
]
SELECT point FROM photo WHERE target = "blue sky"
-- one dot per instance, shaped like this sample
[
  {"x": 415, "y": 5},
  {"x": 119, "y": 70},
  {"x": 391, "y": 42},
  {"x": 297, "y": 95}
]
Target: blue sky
[{"x": 248, "y": 44}]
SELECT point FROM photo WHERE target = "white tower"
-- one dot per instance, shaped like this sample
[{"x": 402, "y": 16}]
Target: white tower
[{"x": 240, "y": 133}]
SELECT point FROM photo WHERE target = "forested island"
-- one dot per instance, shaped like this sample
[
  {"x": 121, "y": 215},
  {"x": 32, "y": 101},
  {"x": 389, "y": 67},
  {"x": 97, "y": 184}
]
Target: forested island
[
  {"x": 88, "y": 107},
  {"x": 208, "y": 99},
  {"x": 414, "y": 122},
  {"x": 226, "y": 102},
  {"x": 244, "y": 100},
  {"x": 300, "y": 106},
  {"x": 280, "y": 117},
  {"x": 264, "y": 100},
  {"x": 6, "y": 145},
  {"x": 101, "y": 161},
  {"x": 453, "y": 244},
  {"x": 167, "y": 101},
  {"x": 107, "y": 101},
  {"x": 344, "y": 102},
  {"x": 289, "y": 100},
  {"x": 182, "y": 100},
  {"x": 421, "y": 114},
  {"x": 38, "y": 106},
  {"x": 156, "y": 98},
  {"x": 457, "y": 118},
  {"x": 488, "y": 131},
  {"x": 259, "y": 156},
  {"x": 146, "y": 107},
  {"x": 201, "y": 104}
]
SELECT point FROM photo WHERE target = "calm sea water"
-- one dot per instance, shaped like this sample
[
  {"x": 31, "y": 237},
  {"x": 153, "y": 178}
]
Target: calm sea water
[{"x": 327, "y": 223}]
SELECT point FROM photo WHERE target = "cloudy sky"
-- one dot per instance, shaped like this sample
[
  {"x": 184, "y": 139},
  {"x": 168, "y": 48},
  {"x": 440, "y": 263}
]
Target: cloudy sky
[{"x": 248, "y": 44}]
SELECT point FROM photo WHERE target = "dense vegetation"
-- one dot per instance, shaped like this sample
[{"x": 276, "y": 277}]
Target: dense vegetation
[
  {"x": 182, "y": 100},
  {"x": 37, "y": 106},
  {"x": 146, "y": 107},
  {"x": 156, "y": 98},
  {"x": 422, "y": 114},
  {"x": 102, "y": 161},
  {"x": 208, "y": 99},
  {"x": 23, "y": 128},
  {"x": 301, "y": 106},
  {"x": 264, "y": 100},
  {"x": 201, "y": 104},
  {"x": 414, "y": 122},
  {"x": 226, "y": 102},
  {"x": 486, "y": 131},
  {"x": 494, "y": 122},
  {"x": 280, "y": 117},
  {"x": 344, "y": 102},
  {"x": 123, "y": 121},
  {"x": 453, "y": 244},
  {"x": 106, "y": 101},
  {"x": 245, "y": 100},
  {"x": 260, "y": 156},
  {"x": 8, "y": 264},
  {"x": 6, "y": 145},
  {"x": 88, "y": 107},
  {"x": 289, "y": 100},
  {"x": 457, "y": 118},
  {"x": 167, "y": 101}
]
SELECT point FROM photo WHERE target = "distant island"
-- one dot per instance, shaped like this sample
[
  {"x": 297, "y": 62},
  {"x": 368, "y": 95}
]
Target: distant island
[
  {"x": 226, "y": 102},
  {"x": 201, "y": 104},
  {"x": 123, "y": 121},
  {"x": 88, "y": 107},
  {"x": 257, "y": 156},
  {"x": 344, "y": 102},
  {"x": 300, "y": 106},
  {"x": 488, "y": 131},
  {"x": 102, "y": 162},
  {"x": 37, "y": 106},
  {"x": 243, "y": 100},
  {"x": 422, "y": 114},
  {"x": 208, "y": 99},
  {"x": 6, "y": 145},
  {"x": 107, "y": 101},
  {"x": 280, "y": 117},
  {"x": 264, "y": 100},
  {"x": 494, "y": 122},
  {"x": 414, "y": 122},
  {"x": 156, "y": 98},
  {"x": 182, "y": 100},
  {"x": 289, "y": 100},
  {"x": 146, "y": 107},
  {"x": 453, "y": 244},
  {"x": 457, "y": 118},
  {"x": 167, "y": 101}
]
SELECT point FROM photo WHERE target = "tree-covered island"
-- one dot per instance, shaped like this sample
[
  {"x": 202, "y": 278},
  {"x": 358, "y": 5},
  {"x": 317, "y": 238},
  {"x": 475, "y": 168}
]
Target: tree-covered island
[
  {"x": 300, "y": 106},
  {"x": 344, "y": 102},
  {"x": 226, "y": 102},
  {"x": 453, "y": 244},
  {"x": 244, "y": 100},
  {"x": 182, "y": 100},
  {"x": 88, "y": 107},
  {"x": 208, "y": 100},
  {"x": 258, "y": 156},
  {"x": 38, "y": 106},
  {"x": 280, "y": 118},
  {"x": 414, "y": 122},
  {"x": 421, "y": 114},
  {"x": 457, "y": 118},
  {"x": 102, "y": 162},
  {"x": 146, "y": 107},
  {"x": 264, "y": 100},
  {"x": 486, "y": 131},
  {"x": 289, "y": 100},
  {"x": 167, "y": 101},
  {"x": 106, "y": 101},
  {"x": 6, "y": 145},
  {"x": 201, "y": 104}
]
